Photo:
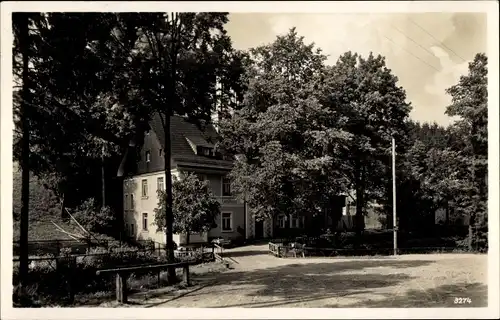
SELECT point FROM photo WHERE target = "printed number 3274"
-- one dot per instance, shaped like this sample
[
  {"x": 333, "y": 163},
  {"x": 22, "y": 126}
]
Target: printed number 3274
[{"x": 462, "y": 300}]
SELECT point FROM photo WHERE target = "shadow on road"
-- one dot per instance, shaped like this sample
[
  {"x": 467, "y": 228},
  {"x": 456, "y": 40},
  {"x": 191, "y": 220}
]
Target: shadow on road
[{"x": 300, "y": 283}]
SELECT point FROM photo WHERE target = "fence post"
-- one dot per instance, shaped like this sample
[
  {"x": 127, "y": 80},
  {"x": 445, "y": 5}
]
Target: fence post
[
  {"x": 185, "y": 275},
  {"x": 121, "y": 287}
]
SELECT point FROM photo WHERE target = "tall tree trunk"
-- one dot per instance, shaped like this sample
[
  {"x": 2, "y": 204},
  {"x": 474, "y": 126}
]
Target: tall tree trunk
[
  {"x": 171, "y": 93},
  {"x": 447, "y": 214},
  {"x": 169, "y": 221},
  {"x": 25, "y": 155},
  {"x": 471, "y": 231},
  {"x": 188, "y": 237},
  {"x": 64, "y": 215},
  {"x": 103, "y": 181},
  {"x": 360, "y": 201}
]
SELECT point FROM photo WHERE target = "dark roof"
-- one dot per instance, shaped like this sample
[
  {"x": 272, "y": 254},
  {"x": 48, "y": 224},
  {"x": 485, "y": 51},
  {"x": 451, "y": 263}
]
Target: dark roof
[{"x": 180, "y": 129}]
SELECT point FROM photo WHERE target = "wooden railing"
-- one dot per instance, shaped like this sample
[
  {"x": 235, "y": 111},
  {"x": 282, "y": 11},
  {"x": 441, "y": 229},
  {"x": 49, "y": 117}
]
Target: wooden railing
[
  {"x": 123, "y": 273},
  {"x": 218, "y": 252}
]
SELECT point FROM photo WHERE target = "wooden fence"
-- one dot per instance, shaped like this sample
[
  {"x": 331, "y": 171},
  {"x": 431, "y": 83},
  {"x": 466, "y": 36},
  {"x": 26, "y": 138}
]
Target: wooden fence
[
  {"x": 53, "y": 247},
  {"x": 282, "y": 250}
]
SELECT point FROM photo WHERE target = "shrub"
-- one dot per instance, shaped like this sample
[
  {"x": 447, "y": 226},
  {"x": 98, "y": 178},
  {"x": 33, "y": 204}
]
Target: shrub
[{"x": 96, "y": 219}]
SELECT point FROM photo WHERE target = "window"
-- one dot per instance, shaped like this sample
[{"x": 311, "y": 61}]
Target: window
[
  {"x": 144, "y": 188},
  {"x": 145, "y": 222},
  {"x": 160, "y": 153},
  {"x": 159, "y": 184},
  {"x": 227, "y": 223},
  {"x": 296, "y": 222},
  {"x": 148, "y": 156},
  {"x": 132, "y": 204},
  {"x": 126, "y": 229},
  {"x": 203, "y": 177},
  {"x": 281, "y": 221},
  {"x": 126, "y": 202},
  {"x": 132, "y": 231},
  {"x": 226, "y": 186}
]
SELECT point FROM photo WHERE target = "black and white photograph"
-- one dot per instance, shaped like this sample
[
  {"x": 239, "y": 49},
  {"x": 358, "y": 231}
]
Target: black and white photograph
[{"x": 296, "y": 159}]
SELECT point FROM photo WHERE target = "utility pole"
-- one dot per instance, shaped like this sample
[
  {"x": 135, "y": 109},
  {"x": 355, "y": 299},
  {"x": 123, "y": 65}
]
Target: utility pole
[{"x": 394, "y": 218}]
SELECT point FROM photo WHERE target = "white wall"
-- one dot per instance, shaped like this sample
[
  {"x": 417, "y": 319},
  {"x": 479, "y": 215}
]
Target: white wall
[
  {"x": 147, "y": 205},
  {"x": 142, "y": 205}
]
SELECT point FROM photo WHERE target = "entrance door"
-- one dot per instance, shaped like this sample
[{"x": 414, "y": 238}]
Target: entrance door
[{"x": 259, "y": 229}]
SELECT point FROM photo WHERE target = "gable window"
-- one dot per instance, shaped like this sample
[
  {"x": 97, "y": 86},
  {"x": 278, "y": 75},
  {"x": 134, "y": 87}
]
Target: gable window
[
  {"x": 281, "y": 221},
  {"x": 226, "y": 186},
  {"x": 145, "y": 222},
  {"x": 205, "y": 151},
  {"x": 126, "y": 202},
  {"x": 144, "y": 188},
  {"x": 227, "y": 221},
  {"x": 148, "y": 156},
  {"x": 159, "y": 184}
]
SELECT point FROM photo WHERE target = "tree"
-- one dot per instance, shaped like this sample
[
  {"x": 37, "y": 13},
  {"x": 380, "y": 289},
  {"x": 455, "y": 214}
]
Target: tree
[
  {"x": 22, "y": 57},
  {"x": 76, "y": 124},
  {"x": 194, "y": 206},
  {"x": 286, "y": 141},
  {"x": 470, "y": 105},
  {"x": 365, "y": 93},
  {"x": 95, "y": 218},
  {"x": 175, "y": 61}
]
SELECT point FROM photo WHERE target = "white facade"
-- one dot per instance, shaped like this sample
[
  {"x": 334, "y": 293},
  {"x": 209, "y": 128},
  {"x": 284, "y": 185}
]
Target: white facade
[{"x": 140, "y": 200}]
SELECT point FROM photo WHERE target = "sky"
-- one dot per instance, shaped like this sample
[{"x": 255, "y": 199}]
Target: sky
[{"x": 428, "y": 52}]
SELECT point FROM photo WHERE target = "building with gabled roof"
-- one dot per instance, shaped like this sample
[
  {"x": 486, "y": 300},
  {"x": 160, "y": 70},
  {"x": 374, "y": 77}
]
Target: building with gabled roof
[{"x": 192, "y": 150}]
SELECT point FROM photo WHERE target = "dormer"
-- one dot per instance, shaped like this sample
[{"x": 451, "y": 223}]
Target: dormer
[{"x": 200, "y": 146}]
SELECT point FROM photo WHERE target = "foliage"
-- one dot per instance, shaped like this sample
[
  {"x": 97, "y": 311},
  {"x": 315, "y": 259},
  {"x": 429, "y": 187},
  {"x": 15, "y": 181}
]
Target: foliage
[
  {"x": 173, "y": 65},
  {"x": 96, "y": 219},
  {"x": 53, "y": 278},
  {"x": 43, "y": 203},
  {"x": 287, "y": 141},
  {"x": 194, "y": 206},
  {"x": 366, "y": 93},
  {"x": 470, "y": 106}
]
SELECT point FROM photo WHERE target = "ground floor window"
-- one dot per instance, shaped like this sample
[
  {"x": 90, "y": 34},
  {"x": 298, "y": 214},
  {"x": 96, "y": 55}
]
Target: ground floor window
[
  {"x": 296, "y": 222},
  {"x": 145, "y": 222},
  {"x": 227, "y": 223},
  {"x": 281, "y": 221},
  {"x": 132, "y": 231}
]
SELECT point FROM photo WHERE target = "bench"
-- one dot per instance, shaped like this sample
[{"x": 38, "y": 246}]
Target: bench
[{"x": 123, "y": 273}]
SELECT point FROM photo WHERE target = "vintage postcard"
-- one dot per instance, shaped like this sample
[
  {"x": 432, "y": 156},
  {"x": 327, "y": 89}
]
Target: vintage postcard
[{"x": 296, "y": 159}]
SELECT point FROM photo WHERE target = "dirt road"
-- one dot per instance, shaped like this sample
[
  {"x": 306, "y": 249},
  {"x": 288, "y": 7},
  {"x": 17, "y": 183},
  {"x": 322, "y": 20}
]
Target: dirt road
[{"x": 260, "y": 280}]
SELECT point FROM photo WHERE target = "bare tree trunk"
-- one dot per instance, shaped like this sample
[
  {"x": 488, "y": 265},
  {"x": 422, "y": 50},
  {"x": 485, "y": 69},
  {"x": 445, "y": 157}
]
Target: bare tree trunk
[
  {"x": 64, "y": 215},
  {"x": 447, "y": 214},
  {"x": 171, "y": 277},
  {"x": 171, "y": 93},
  {"x": 188, "y": 237},
  {"x": 25, "y": 156},
  {"x": 103, "y": 181},
  {"x": 360, "y": 201}
]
